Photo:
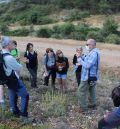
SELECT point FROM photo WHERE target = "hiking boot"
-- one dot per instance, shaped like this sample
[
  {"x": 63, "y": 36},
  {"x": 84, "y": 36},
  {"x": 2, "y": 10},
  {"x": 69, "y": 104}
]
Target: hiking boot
[
  {"x": 16, "y": 114},
  {"x": 26, "y": 120}
]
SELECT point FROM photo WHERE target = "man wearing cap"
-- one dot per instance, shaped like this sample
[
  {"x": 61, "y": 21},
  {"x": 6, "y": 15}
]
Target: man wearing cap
[
  {"x": 90, "y": 73},
  {"x": 15, "y": 85}
]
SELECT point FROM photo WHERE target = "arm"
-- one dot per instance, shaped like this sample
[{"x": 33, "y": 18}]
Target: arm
[
  {"x": 67, "y": 63},
  {"x": 74, "y": 60},
  {"x": 91, "y": 60},
  {"x": 25, "y": 60},
  {"x": 12, "y": 63},
  {"x": 44, "y": 64}
]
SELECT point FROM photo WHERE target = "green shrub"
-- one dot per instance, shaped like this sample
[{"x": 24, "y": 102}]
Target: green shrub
[
  {"x": 4, "y": 28},
  {"x": 44, "y": 32},
  {"x": 82, "y": 28},
  {"x": 19, "y": 32},
  {"x": 104, "y": 6},
  {"x": 66, "y": 29},
  {"x": 113, "y": 38},
  {"x": 57, "y": 36},
  {"x": 77, "y": 36},
  {"x": 77, "y": 15},
  {"x": 3, "y": 126},
  {"x": 54, "y": 104},
  {"x": 109, "y": 26},
  {"x": 56, "y": 29},
  {"x": 95, "y": 35},
  {"x": 44, "y": 20}
]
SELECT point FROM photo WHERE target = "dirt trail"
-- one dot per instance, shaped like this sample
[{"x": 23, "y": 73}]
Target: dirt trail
[{"x": 110, "y": 54}]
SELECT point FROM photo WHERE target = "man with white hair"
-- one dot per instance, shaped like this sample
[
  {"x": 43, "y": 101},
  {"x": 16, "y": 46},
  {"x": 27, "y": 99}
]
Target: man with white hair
[
  {"x": 15, "y": 84},
  {"x": 90, "y": 74}
]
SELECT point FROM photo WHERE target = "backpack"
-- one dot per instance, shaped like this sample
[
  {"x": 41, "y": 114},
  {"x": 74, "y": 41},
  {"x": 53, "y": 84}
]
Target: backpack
[
  {"x": 46, "y": 54},
  {"x": 116, "y": 96},
  {"x": 3, "y": 77}
]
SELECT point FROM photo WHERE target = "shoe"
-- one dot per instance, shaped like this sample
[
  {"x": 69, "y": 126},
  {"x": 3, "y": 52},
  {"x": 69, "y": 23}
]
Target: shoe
[
  {"x": 26, "y": 120},
  {"x": 92, "y": 106},
  {"x": 16, "y": 114}
]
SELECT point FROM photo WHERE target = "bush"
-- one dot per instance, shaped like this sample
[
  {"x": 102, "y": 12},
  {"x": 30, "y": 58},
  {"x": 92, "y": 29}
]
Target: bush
[
  {"x": 82, "y": 28},
  {"x": 66, "y": 29},
  {"x": 77, "y": 15},
  {"x": 54, "y": 104},
  {"x": 57, "y": 36},
  {"x": 113, "y": 38},
  {"x": 19, "y": 32},
  {"x": 109, "y": 26},
  {"x": 4, "y": 28},
  {"x": 77, "y": 36},
  {"x": 95, "y": 35},
  {"x": 104, "y": 6},
  {"x": 44, "y": 32},
  {"x": 44, "y": 20}
]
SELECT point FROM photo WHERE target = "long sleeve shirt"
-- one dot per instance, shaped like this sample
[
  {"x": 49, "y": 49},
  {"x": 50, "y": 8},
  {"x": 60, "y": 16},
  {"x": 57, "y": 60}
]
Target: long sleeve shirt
[
  {"x": 90, "y": 63},
  {"x": 11, "y": 64}
]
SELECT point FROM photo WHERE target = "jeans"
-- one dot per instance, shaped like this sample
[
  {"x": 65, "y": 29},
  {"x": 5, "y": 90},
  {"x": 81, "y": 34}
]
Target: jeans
[
  {"x": 84, "y": 91},
  {"x": 111, "y": 121},
  {"x": 13, "y": 97},
  {"x": 33, "y": 76},
  {"x": 52, "y": 73}
]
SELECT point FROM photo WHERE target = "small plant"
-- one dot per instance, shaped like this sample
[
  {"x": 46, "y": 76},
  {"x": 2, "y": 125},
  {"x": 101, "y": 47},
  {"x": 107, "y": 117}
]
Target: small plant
[
  {"x": 95, "y": 35},
  {"x": 54, "y": 104},
  {"x": 44, "y": 32},
  {"x": 77, "y": 15},
  {"x": 113, "y": 38},
  {"x": 110, "y": 26},
  {"x": 19, "y": 32}
]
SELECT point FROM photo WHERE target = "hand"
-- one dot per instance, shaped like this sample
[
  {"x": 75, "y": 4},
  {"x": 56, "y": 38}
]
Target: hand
[
  {"x": 78, "y": 55},
  {"x": 18, "y": 58},
  {"x": 25, "y": 60},
  {"x": 45, "y": 74},
  {"x": 78, "y": 64}
]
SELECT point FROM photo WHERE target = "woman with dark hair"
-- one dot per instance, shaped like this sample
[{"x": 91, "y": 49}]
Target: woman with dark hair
[
  {"x": 62, "y": 66},
  {"x": 31, "y": 63},
  {"x": 49, "y": 63}
]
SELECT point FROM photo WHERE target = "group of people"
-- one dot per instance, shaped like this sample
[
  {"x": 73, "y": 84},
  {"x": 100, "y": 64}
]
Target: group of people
[{"x": 56, "y": 65}]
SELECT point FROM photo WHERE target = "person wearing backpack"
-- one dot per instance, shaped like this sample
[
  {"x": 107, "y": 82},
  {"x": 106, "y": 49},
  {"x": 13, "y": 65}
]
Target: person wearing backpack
[
  {"x": 77, "y": 67},
  {"x": 62, "y": 66},
  {"x": 15, "y": 52},
  {"x": 31, "y": 64},
  {"x": 15, "y": 85},
  {"x": 112, "y": 119},
  {"x": 90, "y": 74},
  {"x": 49, "y": 63}
]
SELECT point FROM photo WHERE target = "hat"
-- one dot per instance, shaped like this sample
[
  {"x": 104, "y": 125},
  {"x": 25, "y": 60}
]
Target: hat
[{"x": 6, "y": 41}]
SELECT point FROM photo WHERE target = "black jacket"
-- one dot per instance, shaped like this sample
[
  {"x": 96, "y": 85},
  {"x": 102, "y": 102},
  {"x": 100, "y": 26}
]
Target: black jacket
[
  {"x": 33, "y": 61},
  {"x": 63, "y": 63},
  {"x": 74, "y": 63}
]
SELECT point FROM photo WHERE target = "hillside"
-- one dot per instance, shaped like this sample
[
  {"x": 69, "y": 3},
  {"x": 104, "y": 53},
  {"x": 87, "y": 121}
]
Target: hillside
[{"x": 62, "y": 19}]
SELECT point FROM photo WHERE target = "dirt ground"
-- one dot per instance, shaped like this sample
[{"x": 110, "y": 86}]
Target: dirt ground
[{"x": 110, "y": 54}]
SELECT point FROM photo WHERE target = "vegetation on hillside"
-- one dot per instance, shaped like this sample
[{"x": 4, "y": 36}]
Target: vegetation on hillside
[{"x": 39, "y": 12}]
